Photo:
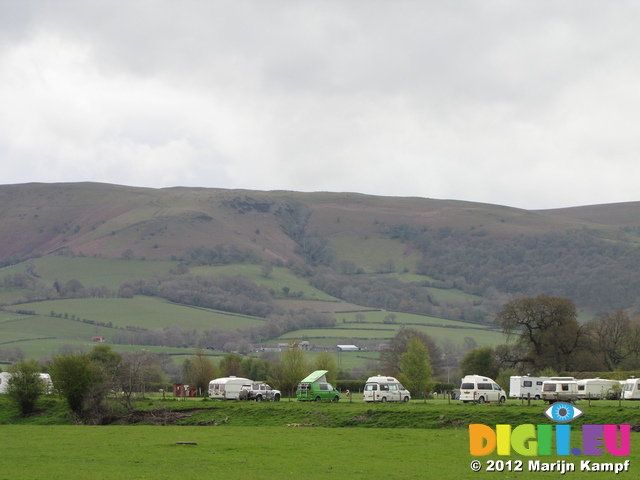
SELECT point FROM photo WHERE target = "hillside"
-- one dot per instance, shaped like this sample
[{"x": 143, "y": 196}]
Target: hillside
[{"x": 428, "y": 261}]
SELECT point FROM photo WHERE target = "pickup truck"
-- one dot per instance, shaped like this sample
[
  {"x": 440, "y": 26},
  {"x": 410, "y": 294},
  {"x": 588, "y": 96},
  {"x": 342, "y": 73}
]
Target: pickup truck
[{"x": 259, "y": 391}]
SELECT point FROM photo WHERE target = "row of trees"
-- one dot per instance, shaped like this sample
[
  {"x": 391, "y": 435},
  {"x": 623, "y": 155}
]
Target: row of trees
[{"x": 547, "y": 336}]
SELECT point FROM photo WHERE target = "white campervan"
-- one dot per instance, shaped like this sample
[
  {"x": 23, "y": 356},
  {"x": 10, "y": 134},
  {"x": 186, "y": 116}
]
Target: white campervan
[
  {"x": 228, "y": 387},
  {"x": 631, "y": 389},
  {"x": 560, "y": 389},
  {"x": 385, "y": 389},
  {"x": 596, "y": 388},
  {"x": 476, "y": 388},
  {"x": 526, "y": 386}
]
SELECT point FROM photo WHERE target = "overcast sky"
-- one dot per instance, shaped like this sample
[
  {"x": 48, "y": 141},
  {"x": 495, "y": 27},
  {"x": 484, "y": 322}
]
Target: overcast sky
[{"x": 531, "y": 104}]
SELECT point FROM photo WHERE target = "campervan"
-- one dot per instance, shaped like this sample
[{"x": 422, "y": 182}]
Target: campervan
[
  {"x": 596, "y": 388},
  {"x": 314, "y": 387},
  {"x": 631, "y": 389},
  {"x": 385, "y": 389},
  {"x": 228, "y": 387},
  {"x": 476, "y": 388},
  {"x": 526, "y": 386},
  {"x": 560, "y": 389}
]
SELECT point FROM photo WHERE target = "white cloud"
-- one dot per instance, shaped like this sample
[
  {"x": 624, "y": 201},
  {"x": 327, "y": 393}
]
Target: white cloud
[{"x": 530, "y": 104}]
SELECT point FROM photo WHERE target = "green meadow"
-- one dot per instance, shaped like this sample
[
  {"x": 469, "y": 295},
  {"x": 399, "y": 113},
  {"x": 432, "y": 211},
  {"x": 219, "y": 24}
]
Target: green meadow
[{"x": 228, "y": 439}]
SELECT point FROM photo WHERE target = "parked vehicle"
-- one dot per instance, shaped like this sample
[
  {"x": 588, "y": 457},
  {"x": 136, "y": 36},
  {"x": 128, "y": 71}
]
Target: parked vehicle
[
  {"x": 45, "y": 377},
  {"x": 385, "y": 389},
  {"x": 315, "y": 388},
  {"x": 560, "y": 389},
  {"x": 4, "y": 379},
  {"x": 259, "y": 391},
  {"x": 596, "y": 388},
  {"x": 526, "y": 386},
  {"x": 476, "y": 388},
  {"x": 631, "y": 389},
  {"x": 228, "y": 387}
]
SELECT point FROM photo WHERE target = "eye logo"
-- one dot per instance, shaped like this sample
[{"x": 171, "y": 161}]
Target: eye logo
[{"x": 562, "y": 412}]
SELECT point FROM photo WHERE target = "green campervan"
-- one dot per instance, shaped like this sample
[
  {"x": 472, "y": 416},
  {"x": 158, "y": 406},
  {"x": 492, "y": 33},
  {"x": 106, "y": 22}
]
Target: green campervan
[{"x": 315, "y": 388}]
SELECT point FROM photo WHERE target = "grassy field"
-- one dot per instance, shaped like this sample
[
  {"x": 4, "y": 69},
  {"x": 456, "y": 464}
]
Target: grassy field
[{"x": 253, "y": 439}]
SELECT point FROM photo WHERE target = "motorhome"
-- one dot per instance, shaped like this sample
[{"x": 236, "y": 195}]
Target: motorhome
[
  {"x": 596, "y": 388},
  {"x": 315, "y": 388},
  {"x": 631, "y": 389},
  {"x": 526, "y": 386},
  {"x": 560, "y": 389},
  {"x": 228, "y": 387},
  {"x": 476, "y": 388},
  {"x": 385, "y": 389}
]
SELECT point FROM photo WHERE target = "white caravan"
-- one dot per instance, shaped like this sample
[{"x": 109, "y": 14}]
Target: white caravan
[
  {"x": 4, "y": 378},
  {"x": 228, "y": 387},
  {"x": 560, "y": 389},
  {"x": 476, "y": 388},
  {"x": 631, "y": 389},
  {"x": 596, "y": 388},
  {"x": 45, "y": 377},
  {"x": 385, "y": 389},
  {"x": 526, "y": 386}
]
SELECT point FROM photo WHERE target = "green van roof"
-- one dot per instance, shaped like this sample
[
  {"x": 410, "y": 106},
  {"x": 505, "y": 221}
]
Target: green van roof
[{"x": 315, "y": 376}]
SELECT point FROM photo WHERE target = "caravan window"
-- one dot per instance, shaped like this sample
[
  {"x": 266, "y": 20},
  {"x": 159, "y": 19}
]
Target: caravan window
[
  {"x": 549, "y": 387},
  {"x": 565, "y": 387},
  {"x": 527, "y": 383}
]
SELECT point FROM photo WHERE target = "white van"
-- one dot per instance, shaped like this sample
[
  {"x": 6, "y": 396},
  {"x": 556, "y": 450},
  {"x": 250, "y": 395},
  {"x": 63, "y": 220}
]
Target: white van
[
  {"x": 526, "y": 386},
  {"x": 385, "y": 389},
  {"x": 631, "y": 389},
  {"x": 228, "y": 387},
  {"x": 476, "y": 388},
  {"x": 560, "y": 389},
  {"x": 4, "y": 379},
  {"x": 596, "y": 388}
]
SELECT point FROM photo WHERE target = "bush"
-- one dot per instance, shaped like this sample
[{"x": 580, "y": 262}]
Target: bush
[{"x": 25, "y": 386}]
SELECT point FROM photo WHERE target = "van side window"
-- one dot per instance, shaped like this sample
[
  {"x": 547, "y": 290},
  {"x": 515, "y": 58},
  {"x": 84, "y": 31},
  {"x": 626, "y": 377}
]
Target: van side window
[
  {"x": 393, "y": 387},
  {"x": 484, "y": 386},
  {"x": 323, "y": 386},
  {"x": 371, "y": 388},
  {"x": 384, "y": 387}
]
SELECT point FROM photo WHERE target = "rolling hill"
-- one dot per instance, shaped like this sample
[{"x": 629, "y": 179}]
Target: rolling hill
[{"x": 111, "y": 255}]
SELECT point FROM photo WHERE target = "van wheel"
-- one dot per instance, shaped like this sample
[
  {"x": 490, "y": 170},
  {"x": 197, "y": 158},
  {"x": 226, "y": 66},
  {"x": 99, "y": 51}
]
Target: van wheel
[
  {"x": 259, "y": 398},
  {"x": 537, "y": 397},
  {"x": 317, "y": 399},
  {"x": 502, "y": 399},
  {"x": 405, "y": 399},
  {"x": 276, "y": 398},
  {"x": 481, "y": 400},
  {"x": 336, "y": 398},
  {"x": 383, "y": 399}
]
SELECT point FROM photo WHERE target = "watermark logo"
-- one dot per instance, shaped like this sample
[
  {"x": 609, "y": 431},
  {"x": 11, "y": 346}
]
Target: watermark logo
[{"x": 540, "y": 440}]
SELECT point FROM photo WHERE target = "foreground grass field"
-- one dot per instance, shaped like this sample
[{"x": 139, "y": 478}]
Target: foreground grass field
[
  {"x": 62, "y": 452},
  {"x": 227, "y": 439}
]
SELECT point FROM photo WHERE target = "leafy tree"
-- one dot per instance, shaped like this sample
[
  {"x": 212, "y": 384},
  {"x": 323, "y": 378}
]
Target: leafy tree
[
  {"x": 292, "y": 369},
  {"x": 390, "y": 357},
  {"x": 415, "y": 368},
  {"x": 24, "y": 387},
  {"x": 74, "y": 375},
  {"x": 616, "y": 336},
  {"x": 547, "y": 330},
  {"x": 200, "y": 372},
  {"x": 231, "y": 364},
  {"x": 326, "y": 361},
  {"x": 480, "y": 361}
]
